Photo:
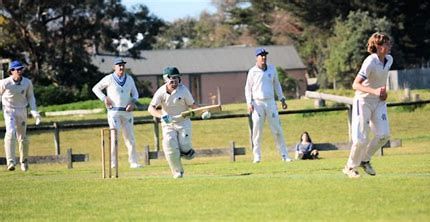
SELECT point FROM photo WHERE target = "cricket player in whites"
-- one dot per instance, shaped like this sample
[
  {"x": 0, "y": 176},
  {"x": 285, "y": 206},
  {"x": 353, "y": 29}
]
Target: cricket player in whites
[
  {"x": 369, "y": 108},
  {"x": 261, "y": 84},
  {"x": 174, "y": 98},
  {"x": 17, "y": 94},
  {"x": 119, "y": 101}
]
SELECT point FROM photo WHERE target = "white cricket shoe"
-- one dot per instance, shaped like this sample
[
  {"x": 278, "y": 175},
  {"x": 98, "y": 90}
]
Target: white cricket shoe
[
  {"x": 256, "y": 161},
  {"x": 286, "y": 159},
  {"x": 178, "y": 175},
  {"x": 368, "y": 168},
  {"x": 135, "y": 165},
  {"x": 11, "y": 167},
  {"x": 24, "y": 166},
  {"x": 351, "y": 172}
]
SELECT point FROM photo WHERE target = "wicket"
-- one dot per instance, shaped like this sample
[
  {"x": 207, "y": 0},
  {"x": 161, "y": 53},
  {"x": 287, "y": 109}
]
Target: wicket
[{"x": 111, "y": 132}]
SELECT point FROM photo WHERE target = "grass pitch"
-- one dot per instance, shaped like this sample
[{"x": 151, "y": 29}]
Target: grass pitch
[{"x": 216, "y": 190}]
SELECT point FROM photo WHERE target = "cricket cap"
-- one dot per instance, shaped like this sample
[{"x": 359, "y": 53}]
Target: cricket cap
[
  {"x": 15, "y": 65},
  {"x": 118, "y": 61},
  {"x": 261, "y": 51}
]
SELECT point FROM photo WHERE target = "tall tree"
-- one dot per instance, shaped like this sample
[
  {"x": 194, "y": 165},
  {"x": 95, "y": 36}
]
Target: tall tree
[
  {"x": 255, "y": 20},
  {"x": 56, "y": 38},
  {"x": 411, "y": 27},
  {"x": 347, "y": 47},
  {"x": 209, "y": 31},
  {"x": 411, "y": 23},
  {"x": 177, "y": 35}
]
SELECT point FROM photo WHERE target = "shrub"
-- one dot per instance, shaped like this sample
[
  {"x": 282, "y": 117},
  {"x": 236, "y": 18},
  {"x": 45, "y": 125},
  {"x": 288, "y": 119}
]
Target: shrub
[{"x": 50, "y": 95}]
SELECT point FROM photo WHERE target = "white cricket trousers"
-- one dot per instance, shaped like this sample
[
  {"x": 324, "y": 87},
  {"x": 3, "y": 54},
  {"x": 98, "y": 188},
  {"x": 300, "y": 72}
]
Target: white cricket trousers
[
  {"x": 267, "y": 109},
  {"x": 16, "y": 130},
  {"x": 367, "y": 115},
  {"x": 122, "y": 120},
  {"x": 176, "y": 138}
]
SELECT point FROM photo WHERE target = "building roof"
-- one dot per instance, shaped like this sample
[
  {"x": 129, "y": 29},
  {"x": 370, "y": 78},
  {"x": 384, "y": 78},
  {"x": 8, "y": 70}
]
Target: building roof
[{"x": 203, "y": 60}]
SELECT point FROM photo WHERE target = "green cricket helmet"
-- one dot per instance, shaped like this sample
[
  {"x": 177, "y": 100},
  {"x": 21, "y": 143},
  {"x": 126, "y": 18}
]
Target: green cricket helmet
[{"x": 170, "y": 72}]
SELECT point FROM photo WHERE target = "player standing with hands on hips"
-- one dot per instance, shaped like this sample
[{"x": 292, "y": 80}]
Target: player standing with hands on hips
[
  {"x": 369, "y": 111},
  {"x": 174, "y": 98},
  {"x": 120, "y": 99},
  {"x": 261, "y": 83},
  {"x": 17, "y": 93}
]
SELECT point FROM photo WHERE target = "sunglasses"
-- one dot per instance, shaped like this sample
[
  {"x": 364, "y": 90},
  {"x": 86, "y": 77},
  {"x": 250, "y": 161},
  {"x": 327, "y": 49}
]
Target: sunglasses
[{"x": 20, "y": 69}]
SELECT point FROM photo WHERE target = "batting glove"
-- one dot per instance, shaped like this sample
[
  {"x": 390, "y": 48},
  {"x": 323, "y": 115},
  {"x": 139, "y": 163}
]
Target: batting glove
[{"x": 166, "y": 119}]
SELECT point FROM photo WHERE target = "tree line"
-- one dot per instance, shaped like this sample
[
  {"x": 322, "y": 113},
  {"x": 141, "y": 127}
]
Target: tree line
[{"x": 56, "y": 39}]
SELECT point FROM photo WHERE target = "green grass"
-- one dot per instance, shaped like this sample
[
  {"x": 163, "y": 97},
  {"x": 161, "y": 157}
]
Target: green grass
[
  {"x": 215, "y": 189},
  {"x": 90, "y": 104}
]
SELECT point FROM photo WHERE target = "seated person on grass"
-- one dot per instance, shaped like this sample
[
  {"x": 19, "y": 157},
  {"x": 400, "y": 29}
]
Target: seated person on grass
[{"x": 305, "y": 148}]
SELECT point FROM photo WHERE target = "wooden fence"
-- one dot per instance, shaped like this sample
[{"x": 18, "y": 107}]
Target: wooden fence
[{"x": 56, "y": 127}]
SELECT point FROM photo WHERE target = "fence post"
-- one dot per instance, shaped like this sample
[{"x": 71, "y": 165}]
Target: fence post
[
  {"x": 57, "y": 138},
  {"x": 232, "y": 154}
]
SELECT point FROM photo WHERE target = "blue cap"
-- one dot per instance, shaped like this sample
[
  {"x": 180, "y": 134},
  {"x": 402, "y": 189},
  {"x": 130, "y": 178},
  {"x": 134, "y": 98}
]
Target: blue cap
[
  {"x": 15, "y": 65},
  {"x": 261, "y": 51},
  {"x": 119, "y": 61}
]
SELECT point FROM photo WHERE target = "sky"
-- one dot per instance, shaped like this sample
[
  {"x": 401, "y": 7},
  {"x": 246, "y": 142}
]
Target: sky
[{"x": 170, "y": 10}]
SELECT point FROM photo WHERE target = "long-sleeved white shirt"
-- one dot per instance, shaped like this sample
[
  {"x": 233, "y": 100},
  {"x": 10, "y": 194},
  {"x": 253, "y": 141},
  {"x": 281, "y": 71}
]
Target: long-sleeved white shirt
[
  {"x": 262, "y": 85},
  {"x": 119, "y": 95},
  {"x": 17, "y": 94}
]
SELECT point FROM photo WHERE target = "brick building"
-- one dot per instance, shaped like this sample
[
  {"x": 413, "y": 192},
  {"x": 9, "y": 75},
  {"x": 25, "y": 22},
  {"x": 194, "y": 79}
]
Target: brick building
[{"x": 205, "y": 69}]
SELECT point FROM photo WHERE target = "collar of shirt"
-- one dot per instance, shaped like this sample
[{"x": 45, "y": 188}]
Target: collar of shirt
[{"x": 120, "y": 79}]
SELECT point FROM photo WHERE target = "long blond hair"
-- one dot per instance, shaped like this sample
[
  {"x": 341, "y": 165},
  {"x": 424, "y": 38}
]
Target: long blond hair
[{"x": 377, "y": 38}]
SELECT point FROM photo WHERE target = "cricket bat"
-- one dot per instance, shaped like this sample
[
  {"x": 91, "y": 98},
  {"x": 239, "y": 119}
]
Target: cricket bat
[{"x": 200, "y": 110}]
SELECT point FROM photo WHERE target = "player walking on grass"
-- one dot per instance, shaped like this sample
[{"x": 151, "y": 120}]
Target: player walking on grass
[
  {"x": 174, "y": 98},
  {"x": 261, "y": 83},
  {"x": 369, "y": 108},
  {"x": 17, "y": 94},
  {"x": 120, "y": 99}
]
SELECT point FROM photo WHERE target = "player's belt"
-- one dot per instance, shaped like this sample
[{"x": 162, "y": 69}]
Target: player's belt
[
  {"x": 264, "y": 99},
  {"x": 117, "y": 109}
]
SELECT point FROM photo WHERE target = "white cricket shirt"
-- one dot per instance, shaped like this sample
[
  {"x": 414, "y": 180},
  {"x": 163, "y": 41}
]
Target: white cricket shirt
[
  {"x": 120, "y": 95},
  {"x": 375, "y": 74},
  {"x": 17, "y": 94},
  {"x": 261, "y": 84}
]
